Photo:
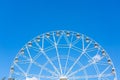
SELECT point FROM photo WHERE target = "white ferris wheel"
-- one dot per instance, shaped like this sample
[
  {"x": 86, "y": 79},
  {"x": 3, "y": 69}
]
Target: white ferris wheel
[{"x": 62, "y": 55}]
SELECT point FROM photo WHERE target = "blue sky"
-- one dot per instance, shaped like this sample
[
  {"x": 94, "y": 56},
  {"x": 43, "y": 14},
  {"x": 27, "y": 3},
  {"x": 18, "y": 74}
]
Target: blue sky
[{"x": 21, "y": 20}]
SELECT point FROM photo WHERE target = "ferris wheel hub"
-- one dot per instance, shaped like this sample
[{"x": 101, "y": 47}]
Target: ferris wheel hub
[{"x": 63, "y": 78}]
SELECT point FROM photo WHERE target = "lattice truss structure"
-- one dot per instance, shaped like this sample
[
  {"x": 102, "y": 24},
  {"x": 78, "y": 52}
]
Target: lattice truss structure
[{"x": 62, "y": 55}]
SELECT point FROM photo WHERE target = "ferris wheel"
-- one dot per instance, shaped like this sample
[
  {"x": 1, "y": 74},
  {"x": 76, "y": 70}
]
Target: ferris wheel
[{"x": 62, "y": 55}]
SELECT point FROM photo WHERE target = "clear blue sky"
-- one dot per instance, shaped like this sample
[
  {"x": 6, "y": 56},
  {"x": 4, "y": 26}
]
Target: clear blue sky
[{"x": 21, "y": 20}]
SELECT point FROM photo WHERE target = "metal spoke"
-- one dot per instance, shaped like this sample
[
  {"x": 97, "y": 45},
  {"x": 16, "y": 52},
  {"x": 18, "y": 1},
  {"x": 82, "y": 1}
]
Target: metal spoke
[
  {"x": 42, "y": 51},
  {"x": 82, "y": 68},
  {"x": 44, "y": 68},
  {"x": 56, "y": 48},
  {"x": 104, "y": 70},
  {"x": 50, "y": 62},
  {"x": 70, "y": 45},
  {"x": 20, "y": 68},
  {"x": 77, "y": 59}
]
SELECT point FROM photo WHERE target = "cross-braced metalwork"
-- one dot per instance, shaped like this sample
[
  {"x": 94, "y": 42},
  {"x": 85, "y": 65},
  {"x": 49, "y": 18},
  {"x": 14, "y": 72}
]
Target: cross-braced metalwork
[{"x": 62, "y": 55}]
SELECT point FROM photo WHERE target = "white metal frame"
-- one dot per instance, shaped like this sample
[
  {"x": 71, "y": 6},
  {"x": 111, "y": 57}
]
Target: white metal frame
[{"x": 95, "y": 56}]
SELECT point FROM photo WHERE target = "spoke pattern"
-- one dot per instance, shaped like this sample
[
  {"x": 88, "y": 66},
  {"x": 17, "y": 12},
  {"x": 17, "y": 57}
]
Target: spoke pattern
[{"x": 62, "y": 55}]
